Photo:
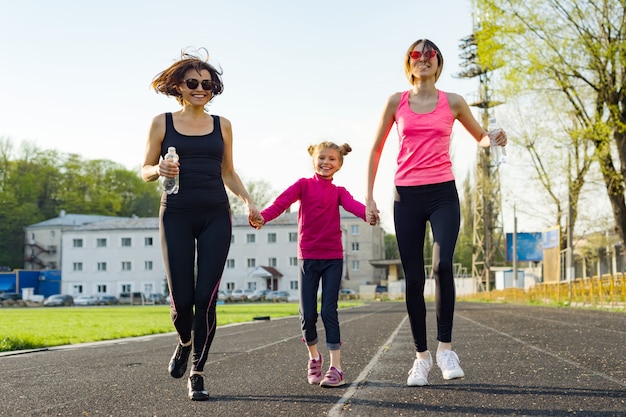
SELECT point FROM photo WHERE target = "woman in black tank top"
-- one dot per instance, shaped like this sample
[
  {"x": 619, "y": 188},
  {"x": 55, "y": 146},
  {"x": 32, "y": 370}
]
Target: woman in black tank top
[{"x": 195, "y": 223}]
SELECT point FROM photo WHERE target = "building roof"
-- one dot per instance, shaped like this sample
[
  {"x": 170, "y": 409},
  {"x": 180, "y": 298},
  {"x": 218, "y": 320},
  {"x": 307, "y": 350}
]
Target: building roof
[
  {"x": 71, "y": 220},
  {"x": 122, "y": 223}
]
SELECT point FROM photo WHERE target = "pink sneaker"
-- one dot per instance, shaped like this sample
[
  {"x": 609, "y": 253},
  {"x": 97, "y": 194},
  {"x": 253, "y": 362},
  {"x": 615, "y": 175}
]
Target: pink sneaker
[
  {"x": 315, "y": 370},
  {"x": 333, "y": 378}
]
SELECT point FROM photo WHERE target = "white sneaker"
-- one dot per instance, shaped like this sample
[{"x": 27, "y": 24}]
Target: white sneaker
[
  {"x": 448, "y": 361},
  {"x": 418, "y": 375}
]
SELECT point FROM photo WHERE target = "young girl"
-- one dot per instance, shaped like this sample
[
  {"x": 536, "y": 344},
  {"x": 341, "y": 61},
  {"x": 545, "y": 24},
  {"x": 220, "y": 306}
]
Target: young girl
[{"x": 320, "y": 252}]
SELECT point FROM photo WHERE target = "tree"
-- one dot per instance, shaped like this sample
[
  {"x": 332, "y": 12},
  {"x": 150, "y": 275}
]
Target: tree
[
  {"x": 571, "y": 53},
  {"x": 37, "y": 184}
]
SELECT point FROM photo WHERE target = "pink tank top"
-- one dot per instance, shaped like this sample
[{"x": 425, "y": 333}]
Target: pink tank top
[{"x": 424, "y": 156}]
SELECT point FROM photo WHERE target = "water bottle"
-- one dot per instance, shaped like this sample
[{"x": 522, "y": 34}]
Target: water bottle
[
  {"x": 171, "y": 185},
  {"x": 498, "y": 153}
]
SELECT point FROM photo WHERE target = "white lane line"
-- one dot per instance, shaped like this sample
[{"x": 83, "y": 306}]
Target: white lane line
[
  {"x": 547, "y": 352},
  {"x": 338, "y": 407}
]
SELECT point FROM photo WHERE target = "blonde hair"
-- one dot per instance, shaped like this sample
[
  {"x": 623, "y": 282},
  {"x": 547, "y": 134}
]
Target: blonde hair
[{"x": 342, "y": 150}]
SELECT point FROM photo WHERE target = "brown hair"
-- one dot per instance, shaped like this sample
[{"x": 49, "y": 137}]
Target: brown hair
[
  {"x": 343, "y": 149},
  {"x": 166, "y": 81},
  {"x": 428, "y": 46}
]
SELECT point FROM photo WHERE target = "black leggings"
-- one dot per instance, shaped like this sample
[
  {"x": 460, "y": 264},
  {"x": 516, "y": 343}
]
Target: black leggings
[
  {"x": 187, "y": 238},
  {"x": 413, "y": 207}
]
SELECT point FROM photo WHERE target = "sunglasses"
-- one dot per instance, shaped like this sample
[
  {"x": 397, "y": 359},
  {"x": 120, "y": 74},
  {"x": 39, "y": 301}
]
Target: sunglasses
[
  {"x": 207, "y": 85},
  {"x": 427, "y": 54}
]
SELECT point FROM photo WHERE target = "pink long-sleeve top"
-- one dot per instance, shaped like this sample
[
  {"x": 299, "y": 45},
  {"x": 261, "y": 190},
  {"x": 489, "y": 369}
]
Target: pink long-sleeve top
[{"x": 319, "y": 228}]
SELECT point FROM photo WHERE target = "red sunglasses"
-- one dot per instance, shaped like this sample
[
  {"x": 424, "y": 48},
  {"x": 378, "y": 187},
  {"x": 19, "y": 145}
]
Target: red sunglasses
[{"x": 427, "y": 54}]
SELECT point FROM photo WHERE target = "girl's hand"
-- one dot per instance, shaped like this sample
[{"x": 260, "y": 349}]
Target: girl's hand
[{"x": 371, "y": 213}]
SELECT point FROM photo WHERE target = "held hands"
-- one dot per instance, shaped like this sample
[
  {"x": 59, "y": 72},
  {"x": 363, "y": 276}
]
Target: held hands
[
  {"x": 254, "y": 217},
  {"x": 371, "y": 213}
]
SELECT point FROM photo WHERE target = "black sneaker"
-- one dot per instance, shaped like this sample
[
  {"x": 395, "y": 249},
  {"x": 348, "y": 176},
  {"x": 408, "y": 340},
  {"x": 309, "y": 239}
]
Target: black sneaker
[
  {"x": 178, "y": 363},
  {"x": 196, "y": 388}
]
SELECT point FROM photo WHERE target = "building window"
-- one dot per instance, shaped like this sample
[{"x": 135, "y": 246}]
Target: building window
[
  {"x": 102, "y": 266},
  {"x": 271, "y": 262},
  {"x": 271, "y": 238},
  {"x": 293, "y": 236},
  {"x": 355, "y": 246},
  {"x": 293, "y": 261},
  {"x": 232, "y": 239},
  {"x": 101, "y": 289},
  {"x": 354, "y": 229},
  {"x": 126, "y": 242},
  {"x": 293, "y": 285},
  {"x": 126, "y": 288},
  {"x": 148, "y": 241},
  {"x": 230, "y": 286},
  {"x": 148, "y": 266},
  {"x": 78, "y": 266},
  {"x": 250, "y": 238},
  {"x": 101, "y": 243},
  {"x": 251, "y": 262},
  {"x": 126, "y": 266},
  {"x": 77, "y": 289},
  {"x": 230, "y": 263},
  {"x": 78, "y": 243},
  {"x": 356, "y": 265}
]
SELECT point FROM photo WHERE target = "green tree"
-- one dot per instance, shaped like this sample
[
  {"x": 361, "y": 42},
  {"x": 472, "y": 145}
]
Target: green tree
[
  {"x": 569, "y": 56},
  {"x": 260, "y": 191}
]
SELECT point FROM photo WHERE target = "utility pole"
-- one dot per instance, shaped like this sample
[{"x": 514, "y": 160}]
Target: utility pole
[{"x": 487, "y": 230}]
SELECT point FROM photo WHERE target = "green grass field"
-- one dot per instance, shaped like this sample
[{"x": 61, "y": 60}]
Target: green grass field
[{"x": 31, "y": 328}]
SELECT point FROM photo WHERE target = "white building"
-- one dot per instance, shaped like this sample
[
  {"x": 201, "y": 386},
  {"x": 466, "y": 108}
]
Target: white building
[
  {"x": 112, "y": 257},
  {"x": 123, "y": 255},
  {"x": 43, "y": 240}
]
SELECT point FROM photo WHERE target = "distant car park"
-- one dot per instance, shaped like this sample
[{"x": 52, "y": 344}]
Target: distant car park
[
  {"x": 277, "y": 296},
  {"x": 259, "y": 295},
  {"x": 10, "y": 296},
  {"x": 58, "y": 300},
  {"x": 107, "y": 300},
  {"x": 131, "y": 298},
  {"x": 241, "y": 295},
  {"x": 86, "y": 300},
  {"x": 155, "y": 298}
]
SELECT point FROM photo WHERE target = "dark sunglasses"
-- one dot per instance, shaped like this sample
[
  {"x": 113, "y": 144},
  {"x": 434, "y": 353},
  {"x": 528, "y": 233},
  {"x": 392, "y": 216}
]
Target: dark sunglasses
[
  {"x": 418, "y": 55},
  {"x": 207, "y": 85}
]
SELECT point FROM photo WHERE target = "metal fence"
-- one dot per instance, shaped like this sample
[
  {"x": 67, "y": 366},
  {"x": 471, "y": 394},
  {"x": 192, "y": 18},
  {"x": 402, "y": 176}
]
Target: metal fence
[{"x": 607, "y": 291}]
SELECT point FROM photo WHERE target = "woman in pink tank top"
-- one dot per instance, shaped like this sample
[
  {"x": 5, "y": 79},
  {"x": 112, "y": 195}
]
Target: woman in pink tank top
[{"x": 426, "y": 192}]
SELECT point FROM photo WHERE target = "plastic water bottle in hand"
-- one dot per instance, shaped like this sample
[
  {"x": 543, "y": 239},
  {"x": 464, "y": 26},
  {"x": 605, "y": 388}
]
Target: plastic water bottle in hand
[
  {"x": 498, "y": 153},
  {"x": 171, "y": 185}
]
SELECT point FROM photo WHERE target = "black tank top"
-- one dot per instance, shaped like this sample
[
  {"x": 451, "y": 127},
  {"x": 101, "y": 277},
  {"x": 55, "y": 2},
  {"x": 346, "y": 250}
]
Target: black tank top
[{"x": 201, "y": 184}]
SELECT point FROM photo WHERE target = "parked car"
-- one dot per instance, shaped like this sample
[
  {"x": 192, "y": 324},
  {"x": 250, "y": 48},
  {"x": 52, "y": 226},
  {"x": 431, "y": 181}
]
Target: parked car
[
  {"x": 107, "y": 300},
  {"x": 222, "y": 295},
  {"x": 381, "y": 289},
  {"x": 156, "y": 298},
  {"x": 259, "y": 295},
  {"x": 131, "y": 298},
  {"x": 59, "y": 300},
  {"x": 240, "y": 295},
  {"x": 86, "y": 300},
  {"x": 10, "y": 296},
  {"x": 277, "y": 296}
]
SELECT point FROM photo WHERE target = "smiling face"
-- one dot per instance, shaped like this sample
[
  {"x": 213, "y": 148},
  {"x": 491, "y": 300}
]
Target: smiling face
[
  {"x": 192, "y": 89},
  {"x": 423, "y": 59},
  {"x": 326, "y": 162}
]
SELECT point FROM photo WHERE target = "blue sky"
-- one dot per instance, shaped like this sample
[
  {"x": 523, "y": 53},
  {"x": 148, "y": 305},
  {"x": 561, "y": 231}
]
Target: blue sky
[{"x": 76, "y": 77}]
